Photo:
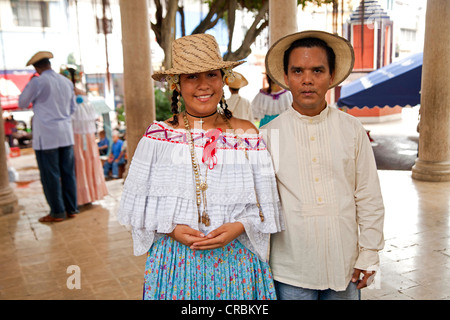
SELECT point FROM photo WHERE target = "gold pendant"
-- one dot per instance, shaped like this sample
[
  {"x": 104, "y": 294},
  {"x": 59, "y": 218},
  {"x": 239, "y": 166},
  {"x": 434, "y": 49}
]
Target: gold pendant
[
  {"x": 203, "y": 186},
  {"x": 205, "y": 219}
]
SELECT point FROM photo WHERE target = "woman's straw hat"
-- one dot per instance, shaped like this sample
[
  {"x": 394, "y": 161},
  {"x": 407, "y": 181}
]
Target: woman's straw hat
[
  {"x": 39, "y": 56},
  {"x": 239, "y": 81},
  {"x": 195, "y": 54},
  {"x": 345, "y": 57}
]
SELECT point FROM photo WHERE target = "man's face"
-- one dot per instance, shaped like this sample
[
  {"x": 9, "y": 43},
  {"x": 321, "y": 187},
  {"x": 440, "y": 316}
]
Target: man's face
[{"x": 308, "y": 77}]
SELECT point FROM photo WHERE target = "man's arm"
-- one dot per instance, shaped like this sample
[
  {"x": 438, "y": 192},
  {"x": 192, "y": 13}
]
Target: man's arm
[
  {"x": 369, "y": 205},
  {"x": 28, "y": 94}
]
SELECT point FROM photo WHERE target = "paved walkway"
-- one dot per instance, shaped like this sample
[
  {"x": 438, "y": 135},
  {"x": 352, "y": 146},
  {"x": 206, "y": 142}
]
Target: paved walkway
[{"x": 35, "y": 258}]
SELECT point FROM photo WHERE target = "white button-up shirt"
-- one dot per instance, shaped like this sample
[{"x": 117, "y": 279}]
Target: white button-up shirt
[
  {"x": 53, "y": 104},
  {"x": 331, "y": 198}
]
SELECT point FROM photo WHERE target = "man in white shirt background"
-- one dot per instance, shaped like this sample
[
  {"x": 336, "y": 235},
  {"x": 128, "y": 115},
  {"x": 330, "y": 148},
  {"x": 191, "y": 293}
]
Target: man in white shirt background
[
  {"x": 53, "y": 99},
  {"x": 326, "y": 173}
]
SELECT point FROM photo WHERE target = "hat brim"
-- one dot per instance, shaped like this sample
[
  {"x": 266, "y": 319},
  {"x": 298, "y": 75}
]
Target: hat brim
[
  {"x": 190, "y": 69},
  {"x": 39, "y": 56},
  {"x": 239, "y": 81},
  {"x": 345, "y": 57}
]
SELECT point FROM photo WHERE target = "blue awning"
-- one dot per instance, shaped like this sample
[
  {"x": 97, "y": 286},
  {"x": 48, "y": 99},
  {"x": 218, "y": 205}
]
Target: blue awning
[{"x": 397, "y": 84}]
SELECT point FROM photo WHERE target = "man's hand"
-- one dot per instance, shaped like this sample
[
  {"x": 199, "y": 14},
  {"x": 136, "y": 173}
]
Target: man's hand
[
  {"x": 219, "y": 237},
  {"x": 365, "y": 281}
]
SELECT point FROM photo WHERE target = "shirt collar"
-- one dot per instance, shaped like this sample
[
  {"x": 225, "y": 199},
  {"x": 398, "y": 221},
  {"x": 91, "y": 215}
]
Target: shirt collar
[{"x": 314, "y": 119}]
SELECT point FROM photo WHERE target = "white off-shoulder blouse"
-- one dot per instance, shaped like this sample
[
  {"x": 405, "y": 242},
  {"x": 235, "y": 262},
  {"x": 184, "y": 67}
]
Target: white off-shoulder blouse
[{"x": 159, "y": 191}]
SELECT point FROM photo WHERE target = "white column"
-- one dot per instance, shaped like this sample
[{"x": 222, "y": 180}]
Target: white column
[
  {"x": 433, "y": 163},
  {"x": 8, "y": 200}
]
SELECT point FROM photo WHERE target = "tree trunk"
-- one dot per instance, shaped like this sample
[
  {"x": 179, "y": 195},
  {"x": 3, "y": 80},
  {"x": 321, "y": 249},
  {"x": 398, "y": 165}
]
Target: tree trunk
[
  {"x": 169, "y": 31},
  {"x": 244, "y": 50}
]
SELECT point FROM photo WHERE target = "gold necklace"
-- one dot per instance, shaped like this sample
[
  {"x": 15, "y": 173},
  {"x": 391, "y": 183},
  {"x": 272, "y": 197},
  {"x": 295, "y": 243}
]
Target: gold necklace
[{"x": 200, "y": 186}]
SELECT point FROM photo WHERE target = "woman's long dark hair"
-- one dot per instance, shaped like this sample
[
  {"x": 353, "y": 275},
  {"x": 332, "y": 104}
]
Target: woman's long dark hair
[{"x": 174, "y": 105}]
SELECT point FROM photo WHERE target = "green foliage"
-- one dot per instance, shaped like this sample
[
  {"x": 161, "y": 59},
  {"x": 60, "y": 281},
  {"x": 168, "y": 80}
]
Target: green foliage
[
  {"x": 162, "y": 105},
  {"x": 120, "y": 111}
]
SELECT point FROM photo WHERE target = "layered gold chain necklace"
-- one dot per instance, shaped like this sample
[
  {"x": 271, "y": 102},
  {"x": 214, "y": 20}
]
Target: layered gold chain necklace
[{"x": 202, "y": 186}]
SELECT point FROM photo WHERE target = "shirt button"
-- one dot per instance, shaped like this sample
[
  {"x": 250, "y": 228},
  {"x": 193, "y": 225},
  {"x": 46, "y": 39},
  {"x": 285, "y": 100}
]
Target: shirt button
[
  {"x": 314, "y": 159},
  {"x": 319, "y": 199},
  {"x": 313, "y": 138},
  {"x": 316, "y": 179}
]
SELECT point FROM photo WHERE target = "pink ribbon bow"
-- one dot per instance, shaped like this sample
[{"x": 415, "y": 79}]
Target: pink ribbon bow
[{"x": 209, "y": 151}]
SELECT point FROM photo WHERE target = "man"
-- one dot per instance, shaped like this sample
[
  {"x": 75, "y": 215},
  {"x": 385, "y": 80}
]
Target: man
[
  {"x": 116, "y": 157},
  {"x": 238, "y": 105},
  {"x": 53, "y": 102},
  {"x": 326, "y": 174}
]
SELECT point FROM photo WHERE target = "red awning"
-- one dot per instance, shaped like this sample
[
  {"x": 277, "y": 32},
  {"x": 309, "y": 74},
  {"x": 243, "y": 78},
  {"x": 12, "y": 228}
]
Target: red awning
[{"x": 12, "y": 83}]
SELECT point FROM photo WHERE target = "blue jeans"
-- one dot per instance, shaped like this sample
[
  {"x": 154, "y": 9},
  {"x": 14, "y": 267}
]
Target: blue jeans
[
  {"x": 288, "y": 292},
  {"x": 57, "y": 170},
  {"x": 114, "y": 166}
]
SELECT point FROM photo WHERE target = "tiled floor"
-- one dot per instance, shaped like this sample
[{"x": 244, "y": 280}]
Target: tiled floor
[{"x": 35, "y": 257}]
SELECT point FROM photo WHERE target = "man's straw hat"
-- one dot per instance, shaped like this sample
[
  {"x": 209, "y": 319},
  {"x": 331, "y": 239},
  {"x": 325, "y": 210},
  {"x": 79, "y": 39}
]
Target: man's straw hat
[
  {"x": 239, "y": 81},
  {"x": 195, "y": 54},
  {"x": 345, "y": 57},
  {"x": 39, "y": 56}
]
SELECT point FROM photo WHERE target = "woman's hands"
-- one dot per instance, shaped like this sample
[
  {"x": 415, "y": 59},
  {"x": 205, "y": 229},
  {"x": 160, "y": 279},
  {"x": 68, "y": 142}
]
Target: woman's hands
[
  {"x": 186, "y": 235},
  {"x": 215, "y": 239}
]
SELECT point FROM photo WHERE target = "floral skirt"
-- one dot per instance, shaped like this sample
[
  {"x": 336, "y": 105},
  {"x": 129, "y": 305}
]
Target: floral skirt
[{"x": 174, "y": 271}]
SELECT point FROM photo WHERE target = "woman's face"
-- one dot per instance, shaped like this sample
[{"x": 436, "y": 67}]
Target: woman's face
[{"x": 201, "y": 92}]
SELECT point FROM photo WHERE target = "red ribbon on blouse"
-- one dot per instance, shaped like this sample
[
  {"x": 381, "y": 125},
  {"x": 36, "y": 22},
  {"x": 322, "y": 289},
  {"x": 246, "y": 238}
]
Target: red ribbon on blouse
[{"x": 209, "y": 151}]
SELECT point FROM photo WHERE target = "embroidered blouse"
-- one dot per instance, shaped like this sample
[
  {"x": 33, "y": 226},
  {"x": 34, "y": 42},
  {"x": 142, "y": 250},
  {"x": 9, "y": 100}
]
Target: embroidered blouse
[{"x": 159, "y": 191}]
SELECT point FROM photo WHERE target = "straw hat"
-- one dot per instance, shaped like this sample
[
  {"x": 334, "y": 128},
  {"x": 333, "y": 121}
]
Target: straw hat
[
  {"x": 39, "y": 56},
  {"x": 345, "y": 57},
  {"x": 239, "y": 81},
  {"x": 195, "y": 54}
]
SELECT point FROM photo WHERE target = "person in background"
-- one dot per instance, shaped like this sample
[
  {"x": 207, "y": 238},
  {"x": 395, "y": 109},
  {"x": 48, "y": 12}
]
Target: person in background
[
  {"x": 10, "y": 127},
  {"x": 91, "y": 184},
  {"x": 269, "y": 102},
  {"x": 103, "y": 144},
  {"x": 53, "y": 99},
  {"x": 238, "y": 105},
  {"x": 116, "y": 157},
  {"x": 326, "y": 173}
]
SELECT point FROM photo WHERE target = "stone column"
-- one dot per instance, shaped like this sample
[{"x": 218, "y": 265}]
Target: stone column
[
  {"x": 433, "y": 163},
  {"x": 8, "y": 200},
  {"x": 282, "y": 19},
  {"x": 137, "y": 69}
]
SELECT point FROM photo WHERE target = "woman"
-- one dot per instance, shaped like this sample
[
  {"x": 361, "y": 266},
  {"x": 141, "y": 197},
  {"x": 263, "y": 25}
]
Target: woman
[
  {"x": 270, "y": 102},
  {"x": 200, "y": 194},
  {"x": 91, "y": 185}
]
